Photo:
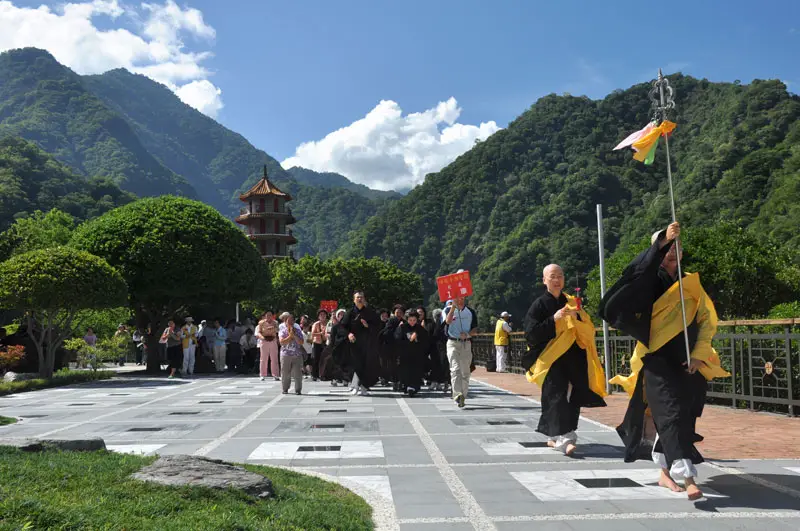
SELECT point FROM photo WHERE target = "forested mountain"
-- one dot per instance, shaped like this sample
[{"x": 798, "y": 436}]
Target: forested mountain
[
  {"x": 138, "y": 133},
  {"x": 218, "y": 163},
  {"x": 47, "y": 103},
  {"x": 31, "y": 180},
  {"x": 526, "y": 196},
  {"x": 336, "y": 180}
]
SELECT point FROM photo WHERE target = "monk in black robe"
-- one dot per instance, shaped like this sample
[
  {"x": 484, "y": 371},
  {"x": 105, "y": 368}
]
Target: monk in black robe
[
  {"x": 363, "y": 327},
  {"x": 413, "y": 343},
  {"x": 389, "y": 353},
  {"x": 645, "y": 303},
  {"x": 562, "y": 359}
]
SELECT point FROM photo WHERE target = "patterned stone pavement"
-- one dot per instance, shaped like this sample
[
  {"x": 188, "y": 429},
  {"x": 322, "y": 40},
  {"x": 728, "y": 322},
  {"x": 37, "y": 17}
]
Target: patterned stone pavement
[{"x": 421, "y": 462}]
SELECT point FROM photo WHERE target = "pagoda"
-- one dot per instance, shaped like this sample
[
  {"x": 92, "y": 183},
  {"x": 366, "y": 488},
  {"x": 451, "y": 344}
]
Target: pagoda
[{"x": 266, "y": 219}]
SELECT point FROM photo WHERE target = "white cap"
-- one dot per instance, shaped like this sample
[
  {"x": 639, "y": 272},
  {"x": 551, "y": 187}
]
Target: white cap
[{"x": 505, "y": 314}]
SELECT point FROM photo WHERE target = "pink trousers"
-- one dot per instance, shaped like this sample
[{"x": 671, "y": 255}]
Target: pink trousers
[{"x": 269, "y": 352}]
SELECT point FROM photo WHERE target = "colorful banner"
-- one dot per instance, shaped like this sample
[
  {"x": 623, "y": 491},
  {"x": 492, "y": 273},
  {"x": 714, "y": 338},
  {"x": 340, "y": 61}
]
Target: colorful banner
[{"x": 329, "y": 306}]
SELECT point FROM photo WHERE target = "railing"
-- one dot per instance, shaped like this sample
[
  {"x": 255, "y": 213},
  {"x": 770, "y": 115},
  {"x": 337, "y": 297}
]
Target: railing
[
  {"x": 272, "y": 234},
  {"x": 245, "y": 211},
  {"x": 763, "y": 358}
]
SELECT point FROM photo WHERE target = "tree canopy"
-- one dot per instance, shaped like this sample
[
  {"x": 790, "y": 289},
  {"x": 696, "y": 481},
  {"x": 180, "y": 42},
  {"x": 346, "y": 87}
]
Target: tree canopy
[
  {"x": 51, "y": 286},
  {"x": 175, "y": 252},
  {"x": 300, "y": 287}
]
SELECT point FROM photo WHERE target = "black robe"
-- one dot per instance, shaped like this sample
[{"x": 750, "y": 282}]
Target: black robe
[
  {"x": 333, "y": 363},
  {"x": 560, "y": 409},
  {"x": 412, "y": 355},
  {"x": 388, "y": 351},
  {"x": 363, "y": 353},
  {"x": 663, "y": 382},
  {"x": 431, "y": 354},
  {"x": 440, "y": 365}
]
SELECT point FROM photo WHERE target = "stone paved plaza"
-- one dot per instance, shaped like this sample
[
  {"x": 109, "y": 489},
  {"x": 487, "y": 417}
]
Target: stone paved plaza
[{"x": 421, "y": 462}]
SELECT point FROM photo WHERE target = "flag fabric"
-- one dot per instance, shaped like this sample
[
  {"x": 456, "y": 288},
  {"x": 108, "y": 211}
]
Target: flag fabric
[{"x": 645, "y": 141}]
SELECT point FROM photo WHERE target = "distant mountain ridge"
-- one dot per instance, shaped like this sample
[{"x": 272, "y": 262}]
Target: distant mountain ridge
[
  {"x": 138, "y": 133},
  {"x": 336, "y": 180}
]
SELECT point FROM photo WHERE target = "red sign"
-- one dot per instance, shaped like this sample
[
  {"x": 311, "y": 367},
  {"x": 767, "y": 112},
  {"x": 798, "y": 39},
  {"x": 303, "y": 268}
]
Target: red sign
[
  {"x": 329, "y": 306},
  {"x": 455, "y": 285}
]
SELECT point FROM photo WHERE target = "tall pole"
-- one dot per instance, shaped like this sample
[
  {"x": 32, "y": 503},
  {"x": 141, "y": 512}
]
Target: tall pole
[
  {"x": 663, "y": 108},
  {"x": 601, "y": 246}
]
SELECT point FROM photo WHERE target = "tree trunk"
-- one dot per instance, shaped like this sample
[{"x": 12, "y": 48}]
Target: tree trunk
[{"x": 151, "y": 336}]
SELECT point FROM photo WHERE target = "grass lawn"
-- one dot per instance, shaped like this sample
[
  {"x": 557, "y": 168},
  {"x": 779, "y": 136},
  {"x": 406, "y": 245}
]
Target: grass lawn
[
  {"x": 62, "y": 377},
  {"x": 6, "y": 420},
  {"x": 87, "y": 491}
]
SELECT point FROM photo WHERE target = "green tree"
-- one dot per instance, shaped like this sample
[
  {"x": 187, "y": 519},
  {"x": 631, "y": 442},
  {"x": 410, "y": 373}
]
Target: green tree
[
  {"x": 174, "y": 253},
  {"x": 37, "y": 231},
  {"x": 299, "y": 286},
  {"x": 744, "y": 273},
  {"x": 51, "y": 286}
]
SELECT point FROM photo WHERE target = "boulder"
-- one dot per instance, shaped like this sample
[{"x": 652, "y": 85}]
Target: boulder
[
  {"x": 177, "y": 470},
  {"x": 67, "y": 445},
  {"x": 12, "y": 376}
]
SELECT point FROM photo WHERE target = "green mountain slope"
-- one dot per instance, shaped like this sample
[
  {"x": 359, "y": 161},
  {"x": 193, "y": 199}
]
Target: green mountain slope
[
  {"x": 218, "y": 163},
  {"x": 526, "y": 196},
  {"x": 46, "y": 103},
  {"x": 336, "y": 180},
  {"x": 31, "y": 180}
]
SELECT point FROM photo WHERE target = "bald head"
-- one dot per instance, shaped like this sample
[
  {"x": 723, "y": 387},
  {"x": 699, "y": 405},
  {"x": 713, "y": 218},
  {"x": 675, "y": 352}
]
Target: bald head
[{"x": 553, "y": 278}]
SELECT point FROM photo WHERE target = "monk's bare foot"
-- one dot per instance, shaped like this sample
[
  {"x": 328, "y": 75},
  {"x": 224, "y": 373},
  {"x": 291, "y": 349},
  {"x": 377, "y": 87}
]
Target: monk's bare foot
[
  {"x": 551, "y": 443},
  {"x": 570, "y": 449},
  {"x": 693, "y": 492},
  {"x": 668, "y": 483}
]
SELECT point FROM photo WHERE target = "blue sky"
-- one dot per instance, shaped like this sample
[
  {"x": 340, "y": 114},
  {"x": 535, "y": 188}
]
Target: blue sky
[{"x": 293, "y": 71}]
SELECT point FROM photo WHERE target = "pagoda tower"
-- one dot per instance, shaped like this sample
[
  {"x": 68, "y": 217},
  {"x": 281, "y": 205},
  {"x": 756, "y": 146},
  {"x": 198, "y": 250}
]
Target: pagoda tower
[{"x": 266, "y": 219}]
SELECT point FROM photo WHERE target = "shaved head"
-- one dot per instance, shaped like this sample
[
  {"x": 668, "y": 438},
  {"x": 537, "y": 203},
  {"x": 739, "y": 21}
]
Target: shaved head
[
  {"x": 551, "y": 267},
  {"x": 553, "y": 278}
]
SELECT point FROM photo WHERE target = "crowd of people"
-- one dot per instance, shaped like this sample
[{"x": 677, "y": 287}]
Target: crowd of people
[{"x": 357, "y": 347}]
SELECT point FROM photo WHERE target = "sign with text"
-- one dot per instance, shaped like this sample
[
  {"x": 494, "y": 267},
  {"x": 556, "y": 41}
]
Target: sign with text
[
  {"x": 455, "y": 285},
  {"x": 329, "y": 306}
]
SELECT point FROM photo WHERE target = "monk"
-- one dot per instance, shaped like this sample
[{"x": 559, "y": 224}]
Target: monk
[
  {"x": 562, "y": 359},
  {"x": 645, "y": 303}
]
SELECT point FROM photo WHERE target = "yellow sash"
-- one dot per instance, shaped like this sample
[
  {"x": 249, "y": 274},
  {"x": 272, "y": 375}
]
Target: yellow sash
[
  {"x": 568, "y": 331},
  {"x": 667, "y": 322}
]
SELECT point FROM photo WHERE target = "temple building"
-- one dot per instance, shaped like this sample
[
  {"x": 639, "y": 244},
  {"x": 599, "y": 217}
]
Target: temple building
[{"x": 266, "y": 219}]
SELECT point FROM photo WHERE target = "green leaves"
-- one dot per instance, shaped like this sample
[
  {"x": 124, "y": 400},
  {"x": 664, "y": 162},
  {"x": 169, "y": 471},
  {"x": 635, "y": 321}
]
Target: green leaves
[
  {"x": 301, "y": 286},
  {"x": 174, "y": 252},
  {"x": 59, "y": 278}
]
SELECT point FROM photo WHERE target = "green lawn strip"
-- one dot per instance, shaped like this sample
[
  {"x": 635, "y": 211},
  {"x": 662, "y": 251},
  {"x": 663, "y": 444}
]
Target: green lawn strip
[
  {"x": 65, "y": 490},
  {"x": 4, "y": 421},
  {"x": 63, "y": 377}
]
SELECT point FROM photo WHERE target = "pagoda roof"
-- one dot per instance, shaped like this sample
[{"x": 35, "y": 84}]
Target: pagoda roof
[{"x": 264, "y": 187}]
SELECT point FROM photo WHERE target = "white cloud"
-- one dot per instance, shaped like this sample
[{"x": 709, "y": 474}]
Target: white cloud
[
  {"x": 146, "y": 40},
  {"x": 386, "y": 150}
]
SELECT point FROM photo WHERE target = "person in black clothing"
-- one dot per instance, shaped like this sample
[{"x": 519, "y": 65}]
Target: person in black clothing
[
  {"x": 388, "y": 347},
  {"x": 565, "y": 389},
  {"x": 363, "y": 327},
  {"x": 440, "y": 367},
  {"x": 413, "y": 343},
  {"x": 666, "y": 382},
  {"x": 430, "y": 353}
]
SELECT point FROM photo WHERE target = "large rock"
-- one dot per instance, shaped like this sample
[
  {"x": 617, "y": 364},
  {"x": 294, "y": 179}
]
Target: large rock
[
  {"x": 12, "y": 376},
  {"x": 176, "y": 470},
  {"x": 67, "y": 445}
]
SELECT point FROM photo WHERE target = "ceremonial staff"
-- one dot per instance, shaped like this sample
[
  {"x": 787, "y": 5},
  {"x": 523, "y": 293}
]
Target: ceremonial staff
[{"x": 662, "y": 97}]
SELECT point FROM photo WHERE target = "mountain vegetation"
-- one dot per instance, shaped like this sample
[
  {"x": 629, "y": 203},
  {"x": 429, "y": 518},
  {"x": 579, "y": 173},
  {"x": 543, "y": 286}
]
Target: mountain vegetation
[
  {"x": 32, "y": 180},
  {"x": 335, "y": 180},
  {"x": 137, "y": 133},
  {"x": 47, "y": 103},
  {"x": 526, "y": 196}
]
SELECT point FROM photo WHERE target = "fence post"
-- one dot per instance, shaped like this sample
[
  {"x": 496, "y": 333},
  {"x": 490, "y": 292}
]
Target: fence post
[
  {"x": 790, "y": 376},
  {"x": 601, "y": 246}
]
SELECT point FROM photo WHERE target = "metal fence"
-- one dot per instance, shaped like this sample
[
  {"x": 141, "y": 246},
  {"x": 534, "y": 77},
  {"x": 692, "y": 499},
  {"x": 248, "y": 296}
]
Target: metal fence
[{"x": 762, "y": 356}]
